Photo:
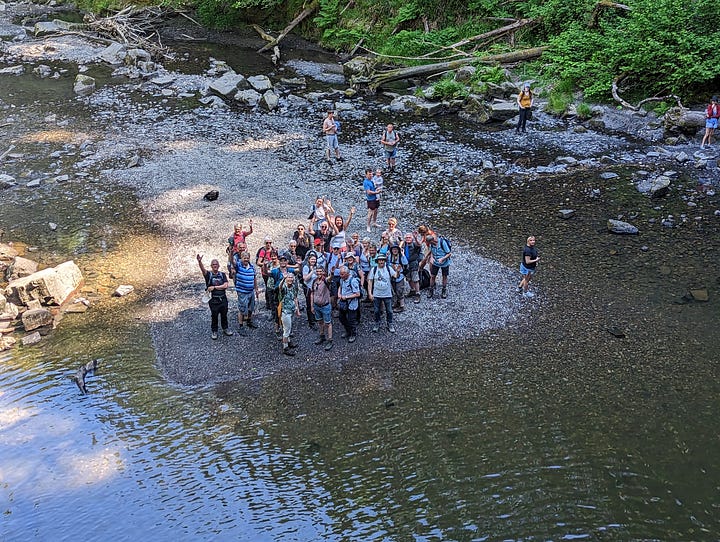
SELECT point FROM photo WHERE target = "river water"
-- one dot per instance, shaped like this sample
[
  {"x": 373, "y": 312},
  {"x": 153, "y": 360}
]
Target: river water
[{"x": 553, "y": 430}]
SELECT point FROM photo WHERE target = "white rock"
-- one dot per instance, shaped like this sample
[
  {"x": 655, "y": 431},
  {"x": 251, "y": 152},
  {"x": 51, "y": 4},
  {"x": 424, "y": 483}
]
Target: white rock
[{"x": 123, "y": 290}]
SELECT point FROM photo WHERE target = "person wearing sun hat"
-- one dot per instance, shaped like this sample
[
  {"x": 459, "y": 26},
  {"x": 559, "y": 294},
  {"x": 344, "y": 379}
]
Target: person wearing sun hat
[
  {"x": 712, "y": 113},
  {"x": 525, "y": 102},
  {"x": 380, "y": 292}
]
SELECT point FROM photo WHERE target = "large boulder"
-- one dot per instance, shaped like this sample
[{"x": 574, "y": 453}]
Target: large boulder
[
  {"x": 359, "y": 66},
  {"x": 50, "y": 286},
  {"x": 20, "y": 267},
  {"x": 261, "y": 83},
  {"x": 6, "y": 181},
  {"x": 35, "y": 318},
  {"x": 114, "y": 54},
  {"x": 228, "y": 84},
  {"x": 475, "y": 110},
  {"x": 656, "y": 187},
  {"x": 248, "y": 97},
  {"x": 269, "y": 100},
  {"x": 503, "y": 110},
  {"x": 621, "y": 228}
]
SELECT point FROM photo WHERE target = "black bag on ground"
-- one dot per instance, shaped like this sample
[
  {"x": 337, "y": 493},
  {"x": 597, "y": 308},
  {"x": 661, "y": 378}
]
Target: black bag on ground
[{"x": 424, "y": 279}]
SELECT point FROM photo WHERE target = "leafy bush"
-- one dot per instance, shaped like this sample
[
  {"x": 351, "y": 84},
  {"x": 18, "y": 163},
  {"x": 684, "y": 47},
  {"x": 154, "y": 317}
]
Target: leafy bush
[
  {"x": 218, "y": 14},
  {"x": 489, "y": 74},
  {"x": 449, "y": 89},
  {"x": 559, "y": 99},
  {"x": 583, "y": 111}
]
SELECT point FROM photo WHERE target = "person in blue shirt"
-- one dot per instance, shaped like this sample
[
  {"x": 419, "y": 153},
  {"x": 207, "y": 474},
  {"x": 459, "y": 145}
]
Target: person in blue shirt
[
  {"x": 371, "y": 198},
  {"x": 440, "y": 253}
]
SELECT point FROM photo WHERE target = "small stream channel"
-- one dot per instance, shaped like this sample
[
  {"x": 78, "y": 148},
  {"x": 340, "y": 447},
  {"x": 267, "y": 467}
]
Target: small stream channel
[{"x": 554, "y": 430}]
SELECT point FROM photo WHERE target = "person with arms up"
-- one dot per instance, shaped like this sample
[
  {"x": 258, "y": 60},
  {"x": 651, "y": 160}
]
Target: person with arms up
[{"x": 216, "y": 283}]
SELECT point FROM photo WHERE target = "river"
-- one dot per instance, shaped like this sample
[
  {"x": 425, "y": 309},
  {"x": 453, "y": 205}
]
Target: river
[{"x": 552, "y": 429}]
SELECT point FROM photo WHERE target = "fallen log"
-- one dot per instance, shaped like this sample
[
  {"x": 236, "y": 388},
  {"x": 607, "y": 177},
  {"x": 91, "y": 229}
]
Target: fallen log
[
  {"x": 297, "y": 20},
  {"x": 615, "y": 90},
  {"x": 484, "y": 36},
  {"x": 377, "y": 80},
  {"x": 264, "y": 35}
]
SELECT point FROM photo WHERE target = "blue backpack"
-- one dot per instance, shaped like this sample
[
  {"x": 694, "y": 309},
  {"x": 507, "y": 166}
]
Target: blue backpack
[{"x": 447, "y": 246}]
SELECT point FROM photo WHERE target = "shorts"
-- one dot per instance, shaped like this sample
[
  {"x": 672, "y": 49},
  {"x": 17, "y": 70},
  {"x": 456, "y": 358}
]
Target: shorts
[
  {"x": 325, "y": 311},
  {"x": 246, "y": 302},
  {"x": 525, "y": 271},
  {"x": 711, "y": 123},
  {"x": 286, "y": 324},
  {"x": 391, "y": 154},
  {"x": 414, "y": 276},
  {"x": 434, "y": 270},
  {"x": 373, "y": 204},
  {"x": 332, "y": 141}
]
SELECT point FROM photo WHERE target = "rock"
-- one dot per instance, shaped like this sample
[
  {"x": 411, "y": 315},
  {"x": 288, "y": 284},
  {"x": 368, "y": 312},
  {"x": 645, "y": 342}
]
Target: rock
[
  {"x": 7, "y": 343},
  {"x": 13, "y": 70},
  {"x": 134, "y": 161},
  {"x": 76, "y": 307},
  {"x": 35, "y": 318},
  {"x": 137, "y": 55},
  {"x": 62, "y": 178},
  {"x": 621, "y": 228},
  {"x": 428, "y": 109},
  {"x": 21, "y": 267},
  {"x": 566, "y": 213},
  {"x": 269, "y": 100},
  {"x": 10, "y": 312},
  {"x": 52, "y": 226},
  {"x": 609, "y": 175},
  {"x": 569, "y": 160},
  {"x": 50, "y": 286},
  {"x": 34, "y": 183},
  {"x": 682, "y": 157},
  {"x": 123, "y": 290},
  {"x": 475, "y": 109},
  {"x": 700, "y": 294},
  {"x": 42, "y": 71},
  {"x": 6, "y": 181},
  {"x": 228, "y": 84},
  {"x": 295, "y": 82},
  {"x": 657, "y": 187},
  {"x": 359, "y": 66},
  {"x": 84, "y": 85},
  {"x": 503, "y": 110},
  {"x": 261, "y": 83},
  {"x": 114, "y": 54},
  {"x": 465, "y": 73},
  {"x": 404, "y": 103},
  {"x": 213, "y": 101},
  {"x": 616, "y": 332},
  {"x": 7, "y": 252},
  {"x": 248, "y": 97},
  {"x": 32, "y": 338},
  {"x": 163, "y": 80}
]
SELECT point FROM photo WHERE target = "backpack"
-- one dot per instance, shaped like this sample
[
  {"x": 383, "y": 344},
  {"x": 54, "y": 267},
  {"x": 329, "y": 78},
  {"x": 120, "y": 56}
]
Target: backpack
[
  {"x": 424, "y": 279},
  {"x": 445, "y": 240}
]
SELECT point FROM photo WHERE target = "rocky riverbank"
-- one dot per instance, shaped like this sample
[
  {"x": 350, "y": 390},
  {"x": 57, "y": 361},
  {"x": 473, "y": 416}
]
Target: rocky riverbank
[{"x": 173, "y": 136}]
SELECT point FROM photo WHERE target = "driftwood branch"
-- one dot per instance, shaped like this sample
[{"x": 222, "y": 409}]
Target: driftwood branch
[
  {"x": 616, "y": 95},
  {"x": 264, "y": 35},
  {"x": 485, "y": 36},
  {"x": 10, "y": 149},
  {"x": 297, "y": 20},
  {"x": 602, "y": 6}
]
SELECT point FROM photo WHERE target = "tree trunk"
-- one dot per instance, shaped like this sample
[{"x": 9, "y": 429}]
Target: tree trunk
[
  {"x": 377, "y": 80},
  {"x": 307, "y": 11}
]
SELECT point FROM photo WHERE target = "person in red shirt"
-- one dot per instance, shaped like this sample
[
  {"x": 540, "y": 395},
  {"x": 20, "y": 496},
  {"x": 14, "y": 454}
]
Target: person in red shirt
[{"x": 712, "y": 113}]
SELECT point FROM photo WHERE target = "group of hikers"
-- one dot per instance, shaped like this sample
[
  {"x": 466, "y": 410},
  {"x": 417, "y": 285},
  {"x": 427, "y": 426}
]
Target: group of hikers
[{"x": 329, "y": 272}]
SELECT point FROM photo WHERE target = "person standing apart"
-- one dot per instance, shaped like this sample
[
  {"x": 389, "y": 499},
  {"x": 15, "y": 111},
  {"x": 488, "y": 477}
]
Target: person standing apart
[
  {"x": 216, "y": 282},
  {"x": 371, "y": 197},
  {"x": 389, "y": 141},
  {"x": 712, "y": 113},
  {"x": 330, "y": 129},
  {"x": 525, "y": 102},
  {"x": 528, "y": 265}
]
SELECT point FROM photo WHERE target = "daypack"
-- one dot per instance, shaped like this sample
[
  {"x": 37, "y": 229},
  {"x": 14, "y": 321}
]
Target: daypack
[
  {"x": 447, "y": 246},
  {"x": 424, "y": 279}
]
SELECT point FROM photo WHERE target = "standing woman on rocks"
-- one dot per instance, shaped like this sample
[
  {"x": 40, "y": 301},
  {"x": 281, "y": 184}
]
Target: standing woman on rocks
[
  {"x": 712, "y": 113},
  {"x": 528, "y": 264},
  {"x": 525, "y": 102},
  {"x": 216, "y": 283}
]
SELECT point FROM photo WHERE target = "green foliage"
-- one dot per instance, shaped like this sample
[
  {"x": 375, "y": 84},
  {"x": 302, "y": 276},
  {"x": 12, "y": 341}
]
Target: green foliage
[
  {"x": 449, "y": 89},
  {"x": 661, "y": 108},
  {"x": 489, "y": 74},
  {"x": 559, "y": 99},
  {"x": 218, "y": 14},
  {"x": 583, "y": 111}
]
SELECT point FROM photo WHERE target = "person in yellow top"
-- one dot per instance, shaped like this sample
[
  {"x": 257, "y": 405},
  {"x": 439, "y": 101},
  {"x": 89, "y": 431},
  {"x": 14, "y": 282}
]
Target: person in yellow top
[{"x": 525, "y": 103}]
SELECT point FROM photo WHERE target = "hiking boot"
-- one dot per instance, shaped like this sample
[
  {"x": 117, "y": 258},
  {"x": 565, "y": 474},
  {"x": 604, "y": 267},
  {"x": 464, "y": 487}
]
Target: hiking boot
[
  {"x": 352, "y": 338},
  {"x": 228, "y": 333},
  {"x": 340, "y": 159},
  {"x": 251, "y": 324},
  {"x": 214, "y": 335},
  {"x": 391, "y": 328},
  {"x": 519, "y": 289},
  {"x": 400, "y": 308},
  {"x": 241, "y": 331},
  {"x": 292, "y": 344},
  {"x": 328, "y": 345},
  {"x": 431, "y": 293},
  {"x": 288, "y": 352},
  {"x": 529, "y": 294},
  {"x": 375, "y": 329},
  {"x": 417, "y": 299},
  {"x": 319, "y": 340},
  {"x": 443, "y": 293}
]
